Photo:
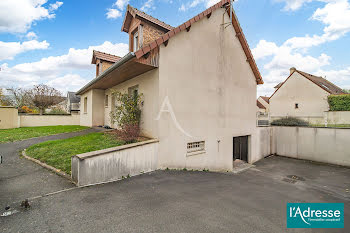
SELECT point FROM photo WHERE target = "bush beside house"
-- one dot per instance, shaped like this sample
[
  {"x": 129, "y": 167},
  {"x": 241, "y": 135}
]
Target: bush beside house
[
  {"x": 339, "y": 102},
  {"x": 289, "y": 121}
]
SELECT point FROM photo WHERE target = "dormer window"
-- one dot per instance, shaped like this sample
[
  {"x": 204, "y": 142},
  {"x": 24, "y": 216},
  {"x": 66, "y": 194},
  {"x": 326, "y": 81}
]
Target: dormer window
[{"x": 136, "y": 41}]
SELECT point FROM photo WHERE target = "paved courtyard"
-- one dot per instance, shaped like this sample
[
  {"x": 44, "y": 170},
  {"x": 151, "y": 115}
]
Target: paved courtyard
[{"x": 179, "y": 201}]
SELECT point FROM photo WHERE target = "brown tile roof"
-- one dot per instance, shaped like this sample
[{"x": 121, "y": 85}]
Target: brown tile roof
[
  {"x": 267, "y": 99},
  {"x": 319, "y": 81},
  {"x": 239, "y": 33},
  {"x": 278, "y": 85},
  {"x": 133, "y": 11},
  {"x": 323, "y": 83},
  {"x": 103, "y": 56},
  {"x": 260, "y": 105}
]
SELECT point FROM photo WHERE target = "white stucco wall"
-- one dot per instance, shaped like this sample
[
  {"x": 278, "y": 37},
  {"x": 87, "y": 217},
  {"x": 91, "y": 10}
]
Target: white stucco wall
[
  {"x": 8, "y": 117},
  {"x": 95, "y": 108},
  {"x": 312, "y": 99},
  {"x": 48, "y": 120},
  {"x": 328, "y": 145},
  {"x": 148, "y": 84},
  {"x": 338, "y": 117},
  {"x": 212, "y": 90}
]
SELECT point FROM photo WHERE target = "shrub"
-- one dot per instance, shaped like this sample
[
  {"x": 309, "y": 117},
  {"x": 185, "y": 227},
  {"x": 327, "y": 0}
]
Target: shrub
[
  {"x": 127, "y": 114},
  {"x": 129, "y": 133},
  {"x": 339, "y": 102},
  {"x": 289, "y": 121}
]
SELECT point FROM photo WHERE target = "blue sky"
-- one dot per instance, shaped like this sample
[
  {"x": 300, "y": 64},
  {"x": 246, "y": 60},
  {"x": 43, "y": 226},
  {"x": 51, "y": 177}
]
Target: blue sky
[{"x": 51, "y": 42}]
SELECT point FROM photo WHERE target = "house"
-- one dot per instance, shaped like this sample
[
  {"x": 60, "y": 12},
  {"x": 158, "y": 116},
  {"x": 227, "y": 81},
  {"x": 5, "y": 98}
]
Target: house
[
  {"x": 263, "y": 104},
  {"x": 72, "y": 102},
  {"x": 302, "y": 95},
  {"x": 198, "y": 82}
]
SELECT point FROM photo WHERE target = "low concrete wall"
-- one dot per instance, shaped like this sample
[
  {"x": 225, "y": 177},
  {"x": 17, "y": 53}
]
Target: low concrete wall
[
  {"x": 264, "y": 137},
  {"x": 48, "y": 120},
  {"x": 338, "y": 117},
  {"x": 328, "y": 145},
  {"x": 8, "y": 117},
  {"x": 113, "y": 163}
]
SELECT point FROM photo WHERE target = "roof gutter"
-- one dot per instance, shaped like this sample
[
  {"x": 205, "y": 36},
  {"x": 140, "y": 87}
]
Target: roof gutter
[{"x": 119, "y": 63}]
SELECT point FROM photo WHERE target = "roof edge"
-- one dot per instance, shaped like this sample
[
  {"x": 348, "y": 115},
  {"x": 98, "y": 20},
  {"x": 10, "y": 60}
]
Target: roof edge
[
  {"x": 123, "y": 60},
  {"x": 223, "y": 3}
]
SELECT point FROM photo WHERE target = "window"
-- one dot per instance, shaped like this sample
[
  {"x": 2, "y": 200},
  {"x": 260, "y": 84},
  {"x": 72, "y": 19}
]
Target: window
[
  {"x": 85, "y": 105},
  {"x": 100, "y": 68},
  {"x": 106, "y": 101},
  {"x": 195, "y": 146},
  {"x": 136, "y": 41},
  {"x": 296, "y": 106}
]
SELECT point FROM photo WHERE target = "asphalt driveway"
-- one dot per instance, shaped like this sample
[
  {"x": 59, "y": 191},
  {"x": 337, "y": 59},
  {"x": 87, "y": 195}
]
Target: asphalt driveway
[
  {"x": 178, "y": 201},
  {"x": 20, "y": 178}
]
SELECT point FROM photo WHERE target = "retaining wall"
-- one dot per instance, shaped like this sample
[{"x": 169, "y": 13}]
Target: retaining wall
[{"x": 113, "y": 163}]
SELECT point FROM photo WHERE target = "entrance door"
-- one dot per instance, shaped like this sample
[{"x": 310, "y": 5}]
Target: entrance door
[{"x": 240, "y": 148}]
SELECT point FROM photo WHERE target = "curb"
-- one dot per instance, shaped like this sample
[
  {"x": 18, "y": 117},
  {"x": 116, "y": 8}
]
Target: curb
[{"x": 48, "y": 167}]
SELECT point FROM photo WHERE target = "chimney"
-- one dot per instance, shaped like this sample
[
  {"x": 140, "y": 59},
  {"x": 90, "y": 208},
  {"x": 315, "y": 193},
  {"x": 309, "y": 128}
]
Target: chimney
[{"x": 292, "y": 70}]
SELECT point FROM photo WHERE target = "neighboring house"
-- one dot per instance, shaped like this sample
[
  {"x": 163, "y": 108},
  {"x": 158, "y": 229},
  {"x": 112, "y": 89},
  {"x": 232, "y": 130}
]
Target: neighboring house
[
  {"x": 263, "y": 104},
  {"x": 73, "y": 102},
  {"x": 198, "y": 82},
  {"x": 302, "y": 95}
]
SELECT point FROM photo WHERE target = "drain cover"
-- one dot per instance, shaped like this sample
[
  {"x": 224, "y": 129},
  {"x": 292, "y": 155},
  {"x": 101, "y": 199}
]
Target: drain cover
[
  {"x": 289, "y": 180},
  {"x": 294, "y": 177}
]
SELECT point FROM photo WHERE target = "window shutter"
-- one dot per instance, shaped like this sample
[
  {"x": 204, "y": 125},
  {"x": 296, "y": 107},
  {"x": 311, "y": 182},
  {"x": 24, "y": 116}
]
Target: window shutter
[{"x": 140, "y": 36}]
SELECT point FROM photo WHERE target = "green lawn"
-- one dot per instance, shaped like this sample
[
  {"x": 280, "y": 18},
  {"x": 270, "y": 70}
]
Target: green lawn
[
  {"x": 10, "y": 135},
  {"x": 58, "y": 153}
]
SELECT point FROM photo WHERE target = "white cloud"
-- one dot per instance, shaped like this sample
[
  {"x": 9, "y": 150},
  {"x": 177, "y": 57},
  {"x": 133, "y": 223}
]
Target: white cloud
[
  {"x": 335, "y": 15},
  {"x": 8, "y": 50},
  {"x": 31, "y": 35},
  {"x": 75, "y": 83},
  {"x": 54, "y": 69},
  {"x": 18, "y": 16},
  {"x": 195, "y": 3},
  {"x": 121, "y": 4},
  {"x": 55, "y": 6},
  {"x": 148, "y": 5},
  {"x": 113, "y": 13},
  {"x": 293, "y": 5}
]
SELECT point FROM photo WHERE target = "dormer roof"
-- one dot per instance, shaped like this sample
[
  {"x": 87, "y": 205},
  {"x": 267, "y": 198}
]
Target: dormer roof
[
  {"x": 132, "y": 12},
  {"x": 104, "y": 56}
]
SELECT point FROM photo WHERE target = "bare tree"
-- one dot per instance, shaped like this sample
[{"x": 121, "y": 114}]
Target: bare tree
[
  {"x": 18, "y": 97},
  {"x": 43, "y": 97}
]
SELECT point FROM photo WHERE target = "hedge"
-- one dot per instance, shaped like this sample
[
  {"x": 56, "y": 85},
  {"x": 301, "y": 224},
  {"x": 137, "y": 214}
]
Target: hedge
[
  {"x": 289, "y": 121},
  {"x": 339, "y": 102}
]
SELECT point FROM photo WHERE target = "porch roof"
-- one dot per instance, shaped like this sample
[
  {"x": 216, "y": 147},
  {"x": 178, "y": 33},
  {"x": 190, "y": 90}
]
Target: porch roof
[{"x": 126, "y": 68}]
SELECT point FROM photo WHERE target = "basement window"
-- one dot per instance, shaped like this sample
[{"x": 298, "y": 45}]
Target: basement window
[
  {"x": 296, "y": 105},
  {"x": 195, "y": 147}
]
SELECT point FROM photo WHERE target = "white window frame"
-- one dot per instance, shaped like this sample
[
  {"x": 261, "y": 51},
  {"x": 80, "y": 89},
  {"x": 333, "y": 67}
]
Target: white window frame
[{"x": 136, "y": 41}]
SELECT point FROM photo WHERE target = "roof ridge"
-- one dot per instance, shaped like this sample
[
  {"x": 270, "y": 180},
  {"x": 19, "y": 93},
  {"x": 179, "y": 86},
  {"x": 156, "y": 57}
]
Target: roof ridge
[
  {"x": 106, "y": 53},
  {"x": 186, "y": 25}
]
